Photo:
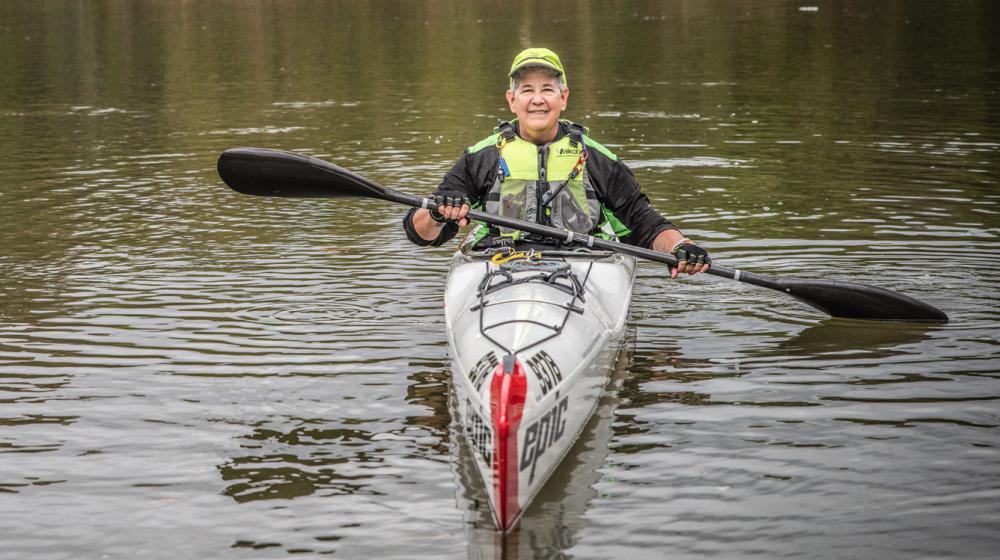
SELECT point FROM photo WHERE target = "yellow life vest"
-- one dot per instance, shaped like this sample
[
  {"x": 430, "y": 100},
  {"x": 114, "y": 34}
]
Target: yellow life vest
[{"x": 546, "y": 184}]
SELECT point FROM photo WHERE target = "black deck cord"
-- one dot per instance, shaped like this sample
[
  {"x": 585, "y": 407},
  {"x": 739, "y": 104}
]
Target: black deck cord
[{"x": 577, "y": 293}]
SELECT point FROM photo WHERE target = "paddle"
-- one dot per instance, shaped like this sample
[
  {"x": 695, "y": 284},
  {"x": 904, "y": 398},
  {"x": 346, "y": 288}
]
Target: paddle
[{"x": 264, "y": 172}]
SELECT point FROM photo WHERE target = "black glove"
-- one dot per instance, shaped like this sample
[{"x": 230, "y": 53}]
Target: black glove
[
  {"x": 692, "y": 254},
  {"x": 448, "y": 199}
]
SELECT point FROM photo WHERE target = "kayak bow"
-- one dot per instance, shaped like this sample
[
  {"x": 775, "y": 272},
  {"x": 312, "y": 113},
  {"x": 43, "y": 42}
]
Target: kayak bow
[{"x": 533, "y": 342}]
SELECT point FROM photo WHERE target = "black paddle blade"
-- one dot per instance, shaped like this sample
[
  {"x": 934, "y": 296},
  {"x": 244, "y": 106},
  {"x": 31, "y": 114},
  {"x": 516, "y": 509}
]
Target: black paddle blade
[
  {"x": 265, "y": 172},
  {"x": 857, "y": 301}
]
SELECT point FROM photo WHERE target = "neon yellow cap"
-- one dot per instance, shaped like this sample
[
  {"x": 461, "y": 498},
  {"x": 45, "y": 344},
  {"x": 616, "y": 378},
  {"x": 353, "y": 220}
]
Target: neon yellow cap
[{"x": 540, "y": 57}]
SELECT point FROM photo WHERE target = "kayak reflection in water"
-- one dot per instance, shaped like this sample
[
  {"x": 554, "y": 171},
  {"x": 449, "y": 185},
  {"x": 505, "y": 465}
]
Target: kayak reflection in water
[{"x": 542, "y": 169}]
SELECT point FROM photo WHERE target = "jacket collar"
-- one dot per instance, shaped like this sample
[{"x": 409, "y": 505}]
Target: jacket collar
[{"x": 563, "y": 130}]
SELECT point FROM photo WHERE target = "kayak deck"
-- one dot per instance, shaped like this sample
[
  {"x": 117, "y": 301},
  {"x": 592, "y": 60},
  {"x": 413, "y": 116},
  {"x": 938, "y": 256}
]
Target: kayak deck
[
  {"x": 544, "y": 312},
  {"x": 532, "y": 344}
]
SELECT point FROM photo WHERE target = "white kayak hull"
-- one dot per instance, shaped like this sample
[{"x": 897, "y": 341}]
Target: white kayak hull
[{"x": 532, "y": 344}]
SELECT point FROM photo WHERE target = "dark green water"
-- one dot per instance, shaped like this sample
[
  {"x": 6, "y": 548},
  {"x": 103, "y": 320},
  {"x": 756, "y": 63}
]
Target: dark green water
[{"x": 185, "y": 372}]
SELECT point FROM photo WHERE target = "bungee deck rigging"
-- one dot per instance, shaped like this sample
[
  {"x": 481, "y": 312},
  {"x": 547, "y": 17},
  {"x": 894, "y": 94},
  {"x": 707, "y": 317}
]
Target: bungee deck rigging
[{"x": 556, "y": 274}]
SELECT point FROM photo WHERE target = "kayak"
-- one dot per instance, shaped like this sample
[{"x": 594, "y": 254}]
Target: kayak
[{"x": 533, "y": 338}]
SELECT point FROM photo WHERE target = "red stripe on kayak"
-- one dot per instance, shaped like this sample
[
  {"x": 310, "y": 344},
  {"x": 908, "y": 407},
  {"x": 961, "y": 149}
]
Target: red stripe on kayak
[{"x": 507, "y": 390}]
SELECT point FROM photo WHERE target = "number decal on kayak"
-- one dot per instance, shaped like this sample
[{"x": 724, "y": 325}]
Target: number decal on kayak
[
  {"x": 546, "y": 371},
  {"x": 542, "y": 434},
  {"x": 484, "y": 366},
  {"x": 479, "y": 432}
]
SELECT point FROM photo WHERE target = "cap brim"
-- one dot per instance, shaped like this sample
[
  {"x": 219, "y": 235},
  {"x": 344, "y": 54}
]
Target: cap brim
[{"x": 535, "y": 63}]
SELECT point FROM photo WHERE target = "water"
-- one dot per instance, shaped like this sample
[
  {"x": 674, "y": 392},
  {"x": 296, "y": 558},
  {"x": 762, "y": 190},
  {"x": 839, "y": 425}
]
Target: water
[{"x": 185, "y": 372}]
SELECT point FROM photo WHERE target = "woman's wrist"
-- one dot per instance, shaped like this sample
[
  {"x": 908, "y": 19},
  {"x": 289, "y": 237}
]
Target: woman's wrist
[{"x": 675, "y": 246}]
